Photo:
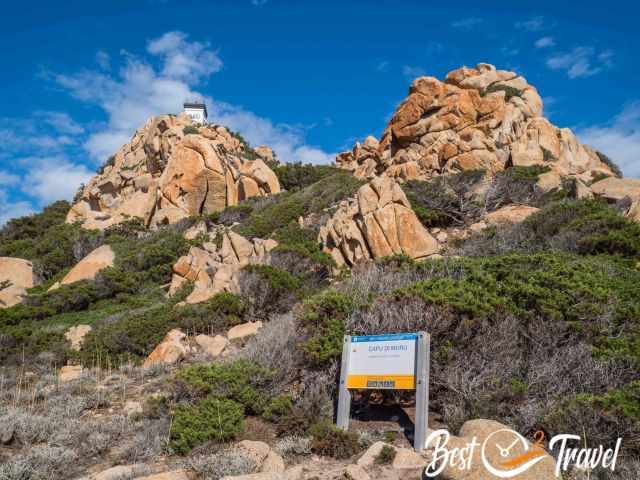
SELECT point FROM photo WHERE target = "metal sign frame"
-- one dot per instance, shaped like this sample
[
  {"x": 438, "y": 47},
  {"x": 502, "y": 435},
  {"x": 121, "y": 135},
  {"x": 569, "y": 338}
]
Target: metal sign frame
[{"x": 423, "y": 354}]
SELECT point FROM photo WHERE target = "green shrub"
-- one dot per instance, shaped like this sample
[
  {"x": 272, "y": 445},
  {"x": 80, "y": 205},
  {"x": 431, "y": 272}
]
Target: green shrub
[
  {"x": 324, "y": 317},
  {"x": 601, "y": 418},
  {"x": 610, "y": 163},
  {"x": 47, "y": 241},
  {"x": 281, "y": 210},
  {"x": 190, "y": 129},
  {"x": 444, "y": 201},
  {"x": 137, "y": 333},
  {"x": 278, "y": 407},
  {"x": 329, "y": 441},
  {"x": 595, "y": 226},
  {"x": 241, "y": 381},
  {"x": 294, "y": 176},
  {"x": 212, "y": 419},
  {"x": 587, "y": 227},
  {"x": 268, "y": 290},
  {"x": 386, "y": 456},
  {"x": 508, "y": 90}
]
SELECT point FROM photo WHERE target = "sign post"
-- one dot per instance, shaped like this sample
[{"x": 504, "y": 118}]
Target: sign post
[{"x": 388, "y": 362}]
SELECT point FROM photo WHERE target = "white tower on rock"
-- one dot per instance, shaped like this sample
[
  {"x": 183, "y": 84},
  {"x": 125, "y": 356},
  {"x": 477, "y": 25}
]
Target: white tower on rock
[{"x": 197, "y": 111}]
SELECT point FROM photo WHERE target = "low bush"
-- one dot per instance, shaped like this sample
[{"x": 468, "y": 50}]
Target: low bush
[
  {"x": 446, "y": 200},
  {"x": 587, "y": 227},
  {"x": 138, "y": 332},
  {"x": 211, "y": 419},
  {"x": 324, "y": 317},
  {"x": 190, "y": 129},
  {"x": 45, "y": 239},
  {"x": 329, "y": 441},
  {"x": 226, "y": 463},
  {"x": 241, "y": 381},
  {"x": 386, "y": 456},
  {"x": 294, "y": 176},
  {"x": 268, "y": 290},
  {"x": 610, "y": 163}
]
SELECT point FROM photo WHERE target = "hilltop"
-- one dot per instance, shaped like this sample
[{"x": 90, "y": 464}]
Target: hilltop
[{"x": 186, "y": 312}]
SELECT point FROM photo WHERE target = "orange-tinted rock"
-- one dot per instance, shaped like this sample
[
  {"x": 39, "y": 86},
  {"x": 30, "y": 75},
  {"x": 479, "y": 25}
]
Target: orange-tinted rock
[
  {"x": 478, "y": 118},
  {"x": 164, "y": 175},
  {"x": 378, "y": 222}
]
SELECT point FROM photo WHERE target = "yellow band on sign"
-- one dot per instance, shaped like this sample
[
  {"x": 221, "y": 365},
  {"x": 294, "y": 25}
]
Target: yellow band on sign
[{"x": 396, "y": 382}]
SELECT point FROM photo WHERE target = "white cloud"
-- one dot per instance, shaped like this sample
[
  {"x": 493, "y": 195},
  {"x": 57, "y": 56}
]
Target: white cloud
[
  {"x": 545, "y": 42},
  {"x": 53, "y": 178},
  {"x": 382, "y": 66},
  {"x": 288, "y": 141},
  {"x": 103, "y": 60},
  {"x": 61, "y": 122},
  {"x": 619, "y": 139},
  {"x": 184, "y": 60},
  {"x": 412, "y": 71},
  {"x": 533, "y": 24},
  {"x": 469, "y": 22},
  {"x": 9, "y": 209},
  {"x": 7, "y": 178},
  {"x": 581, "y": 62},
  {"x": 138, "y": 91}
]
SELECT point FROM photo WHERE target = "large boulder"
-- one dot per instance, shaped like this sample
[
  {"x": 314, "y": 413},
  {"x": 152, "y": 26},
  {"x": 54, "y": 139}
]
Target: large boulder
[
  {"x": 172, "y": 349},
  {"x": 623, "y": 191},
  {"x": 171, "y": 170},
  {"x": 16, "y": 275},
  {"x": 214, "y": 268},
  {"x": 500, "y": 435},
  {"x": 87, "y": 268},
  {"x": 378, "y": 222},
  {"x": 477, "y": 118}
]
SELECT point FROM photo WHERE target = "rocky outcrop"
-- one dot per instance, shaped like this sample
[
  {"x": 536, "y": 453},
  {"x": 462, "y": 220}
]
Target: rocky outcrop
[
  {"x": 500, "y": 435},
  {"x": 76, "y": 335},
  {"x": 70, "y": 372},
  {"x": 172, "y": 349},
  {"x": 171, "y": 170},
  {"x": 623, "y": 191},
  {"x": 214, "y": 269},
  {"x": 241, "y": 332},
  {"x": 378, "y": 222},
  {"x": 87, "y": 268},
  {"x": 478, "y": 118},
  {"x": 212, "y": 346},
  {"x": 16, "y": 276}
]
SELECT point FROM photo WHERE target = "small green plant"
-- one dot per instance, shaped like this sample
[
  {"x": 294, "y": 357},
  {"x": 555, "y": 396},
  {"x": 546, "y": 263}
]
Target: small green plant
[
  {"x": 190, "y": 129},
  {"x": 278, "y": 407},
  {"x": 547, "y": 156},
  {"x": 508, "y": 90},
  {"x": 610, "y": 163},
  {"x": 390, "y": 436},
  {"x": 241, "y": 381},
  {"x": 212, "y": 419},
  {"x": 324, "y": 315},
  {"x": 386, "y": 456},
  {"x": 329, "y": 441}
]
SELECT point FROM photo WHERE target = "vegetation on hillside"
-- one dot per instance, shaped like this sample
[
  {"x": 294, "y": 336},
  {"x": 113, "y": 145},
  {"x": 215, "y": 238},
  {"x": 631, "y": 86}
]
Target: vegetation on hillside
[{"x": 536, "y": 325}]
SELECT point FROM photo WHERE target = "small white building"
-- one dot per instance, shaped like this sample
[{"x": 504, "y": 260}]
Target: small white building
[{"x": 196, "y": 111}]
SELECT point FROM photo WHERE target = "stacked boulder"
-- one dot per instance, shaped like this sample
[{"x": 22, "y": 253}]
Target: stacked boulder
[
  {"x": 16, "y": 276},
  {"x": 478, "y": 118},
  {"x": 214, "y": 268},
  {"x": 378, "y": 222},
  {"x": 170, "y": 170}
]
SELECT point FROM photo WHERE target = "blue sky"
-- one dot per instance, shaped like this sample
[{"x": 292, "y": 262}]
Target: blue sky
[{"x": 308, "y": 78}]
